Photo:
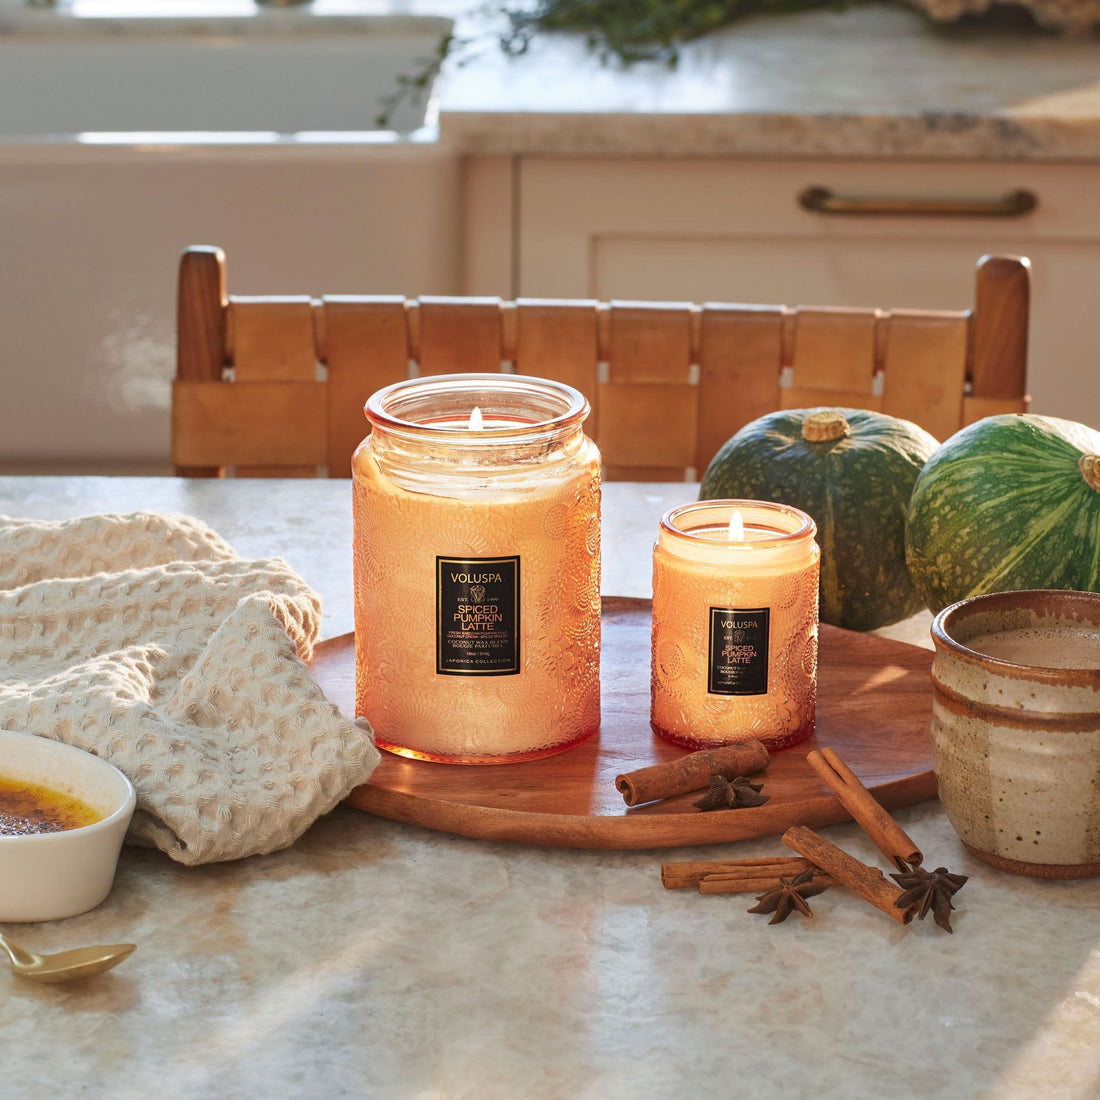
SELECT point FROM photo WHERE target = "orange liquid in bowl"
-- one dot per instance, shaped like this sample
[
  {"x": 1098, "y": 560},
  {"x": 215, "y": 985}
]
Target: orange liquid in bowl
[{"x": 27, "y": 809}]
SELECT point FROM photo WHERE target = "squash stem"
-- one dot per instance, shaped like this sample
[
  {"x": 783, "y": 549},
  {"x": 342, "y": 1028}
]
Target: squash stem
[
  {"x": 1090, "y": 470},
  {"x": 825, "y": 426}
]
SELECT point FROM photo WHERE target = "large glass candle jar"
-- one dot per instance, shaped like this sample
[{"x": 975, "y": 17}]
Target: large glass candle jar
[
  {"x": 477, "y": 569},
  {"x": 734, "y": 624}
]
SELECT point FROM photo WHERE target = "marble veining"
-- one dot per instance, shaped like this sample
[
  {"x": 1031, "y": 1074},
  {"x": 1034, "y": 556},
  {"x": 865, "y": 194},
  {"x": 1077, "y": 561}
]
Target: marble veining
[{"x": 377, "y": 959}]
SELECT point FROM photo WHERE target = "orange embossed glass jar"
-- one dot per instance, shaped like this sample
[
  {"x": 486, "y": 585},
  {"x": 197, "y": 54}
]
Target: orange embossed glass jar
[
  {"x": 476, "y": 504},
  {"x": 735, "y": 624}
]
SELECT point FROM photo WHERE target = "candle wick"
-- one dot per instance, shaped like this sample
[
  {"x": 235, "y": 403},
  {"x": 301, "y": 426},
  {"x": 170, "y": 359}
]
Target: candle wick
[{"x": 477, "y": 421}]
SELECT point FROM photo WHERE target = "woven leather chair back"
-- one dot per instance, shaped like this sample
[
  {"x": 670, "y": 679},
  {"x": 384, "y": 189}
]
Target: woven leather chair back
[{"x": 275, "y": 386}]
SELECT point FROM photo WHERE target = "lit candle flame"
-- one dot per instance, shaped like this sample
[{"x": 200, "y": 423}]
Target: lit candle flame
[
  {"x": 477, "y": 421},
  {"x": 737, "y": 527}
]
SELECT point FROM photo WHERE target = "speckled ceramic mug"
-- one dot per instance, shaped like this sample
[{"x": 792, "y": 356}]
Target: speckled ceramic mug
[{"x": 1016, "y": 729}]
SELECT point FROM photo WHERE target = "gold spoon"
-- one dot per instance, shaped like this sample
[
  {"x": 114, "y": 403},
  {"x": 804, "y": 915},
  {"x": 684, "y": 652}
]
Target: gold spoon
[{"x": 65, "y": 966}]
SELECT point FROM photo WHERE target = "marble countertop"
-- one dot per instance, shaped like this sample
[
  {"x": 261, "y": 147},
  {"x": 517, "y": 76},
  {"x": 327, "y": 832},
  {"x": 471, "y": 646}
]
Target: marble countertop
[
  {"x": 378, "y": 959},
  {"x": 875, "y": 81}
]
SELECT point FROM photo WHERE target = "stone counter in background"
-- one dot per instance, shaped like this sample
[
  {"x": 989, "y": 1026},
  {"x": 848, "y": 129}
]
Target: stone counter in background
[{"x": 875, "y": 81}]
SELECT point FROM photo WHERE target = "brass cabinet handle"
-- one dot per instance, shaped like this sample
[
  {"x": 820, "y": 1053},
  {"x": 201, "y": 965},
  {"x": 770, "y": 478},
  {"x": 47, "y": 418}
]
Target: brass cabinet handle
[{"x": 1012, "y": 204}]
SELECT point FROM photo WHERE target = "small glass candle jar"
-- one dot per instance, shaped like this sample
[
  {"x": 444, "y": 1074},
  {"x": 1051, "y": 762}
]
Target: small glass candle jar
[
  {"x": 477, "y": 569},
  {"x": 735, "y": 587}
]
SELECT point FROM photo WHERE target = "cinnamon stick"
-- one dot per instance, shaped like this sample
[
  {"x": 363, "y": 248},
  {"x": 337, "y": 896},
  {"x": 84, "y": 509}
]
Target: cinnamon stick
[
  {"x": 676, "y": 876},
  {"x": 889, "y": 837},
  {"x": 847, "y": 871},
  {"x": 691, "y": 772},
  {"x": 742, "y": 884}
]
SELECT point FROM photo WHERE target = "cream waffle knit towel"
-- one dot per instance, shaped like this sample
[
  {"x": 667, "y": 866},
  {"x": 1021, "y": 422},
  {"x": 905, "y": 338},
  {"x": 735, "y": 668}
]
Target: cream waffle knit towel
[{"x": 146, "y": 640}]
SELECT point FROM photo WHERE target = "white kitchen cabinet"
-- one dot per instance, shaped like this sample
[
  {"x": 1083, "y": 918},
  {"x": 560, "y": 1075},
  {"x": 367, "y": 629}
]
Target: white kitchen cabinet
[{"x": 734, "y": 230}]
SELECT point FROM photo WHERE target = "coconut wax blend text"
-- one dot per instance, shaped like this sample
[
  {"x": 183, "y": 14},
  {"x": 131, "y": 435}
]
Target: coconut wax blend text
[
  {"x": 734, "y": 624},
  {"x": 476, "y": 507}
]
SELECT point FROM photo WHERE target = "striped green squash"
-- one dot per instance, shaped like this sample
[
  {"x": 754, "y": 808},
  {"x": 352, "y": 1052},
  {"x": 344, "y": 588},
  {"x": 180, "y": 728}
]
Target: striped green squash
[{"x": 1009, "y": 502}]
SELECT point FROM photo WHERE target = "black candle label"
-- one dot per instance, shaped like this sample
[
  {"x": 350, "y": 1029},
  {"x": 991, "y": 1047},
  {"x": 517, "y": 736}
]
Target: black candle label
[
  {"x": 477, "y": 616},
  {"x": 737, "y": 657}
]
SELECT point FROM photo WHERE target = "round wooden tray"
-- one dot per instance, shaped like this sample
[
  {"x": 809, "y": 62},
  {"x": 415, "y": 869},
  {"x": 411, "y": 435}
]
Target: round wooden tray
[{"x": 874, "y": 708}]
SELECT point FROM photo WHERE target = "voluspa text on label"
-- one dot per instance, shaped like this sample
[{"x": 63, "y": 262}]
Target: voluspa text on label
[
  {"x": 477, "y": 616},
  {"x": 737, "y": 658}
]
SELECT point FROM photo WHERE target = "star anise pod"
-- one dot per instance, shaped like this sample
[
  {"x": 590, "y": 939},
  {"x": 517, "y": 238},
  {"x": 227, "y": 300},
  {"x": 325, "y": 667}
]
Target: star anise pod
[
  {"x": 726, "y": 794},
  {"x": 929, "y": 890},
  {"x": 790, "y": 894}
]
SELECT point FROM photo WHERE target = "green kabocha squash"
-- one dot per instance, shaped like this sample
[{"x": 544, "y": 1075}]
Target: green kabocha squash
[
  {"x": 1008, "y": 502},
  {"x": 852, "y": 470}
]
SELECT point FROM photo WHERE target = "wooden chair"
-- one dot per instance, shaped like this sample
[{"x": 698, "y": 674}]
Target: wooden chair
[{"x": 275, "y": 386}]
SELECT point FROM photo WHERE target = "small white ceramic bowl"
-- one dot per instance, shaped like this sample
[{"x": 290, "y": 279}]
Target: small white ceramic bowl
[{"x": 47, "y": 876}]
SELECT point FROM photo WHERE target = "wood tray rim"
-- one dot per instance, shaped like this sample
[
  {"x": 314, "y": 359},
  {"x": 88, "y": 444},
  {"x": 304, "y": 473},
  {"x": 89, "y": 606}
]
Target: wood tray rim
[{"x": 636, "y": 827}]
